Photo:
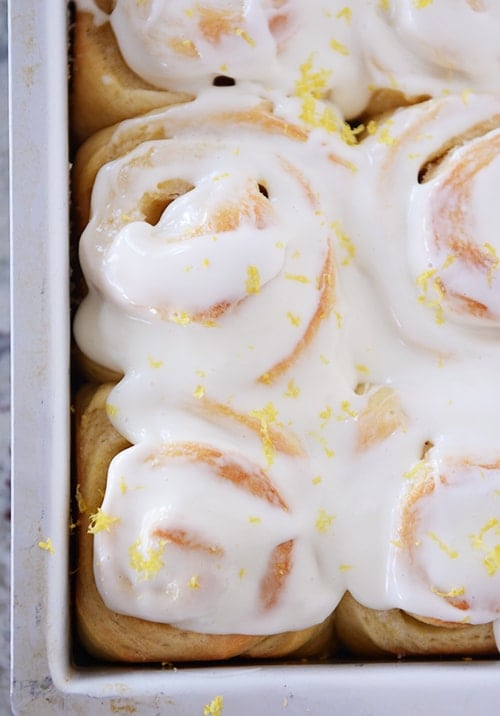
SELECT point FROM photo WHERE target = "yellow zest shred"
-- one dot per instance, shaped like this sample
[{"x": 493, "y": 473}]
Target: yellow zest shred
[
  {"x": 254, "y": 520},
  {"x": 147, "y": 566},
  {"x": 317, "y": 480},
  {"x": 420, "y": 4},
  {"x": 465, "y": 96},
  {"x": 491, "y": 560},
  {"x": 311, "y": 84},
  {"x": 297, "y": 277},
  {"x": 253, "y": 282},
  {"x": 199, "y": 391},
  {"x": 451, "y": 553},
  {"x": 339, "y": 318},
  {"x": 181, "y": 317},
  {"x": 434, "y": 302},
  {"x": 492, "y": 253},
  {"x": 123, "y": 486},
  {"x": 47, "y": 546},
  {"x": 454, "y": 592},
  {"x": 155, "y": 363},
  {"x": 345, "y": 242},
  {"x": 361, "y": 368},
  {"x": 214, "y": 708},
  {"x": 345, "y": 13},
  {"x": 338, "y": 47},
  {"x": 326, "y": 415},
  {"x": 294, "y": 319},
  {"x": 385, "y": 136},
  {"x": 347, "y": 411},
  {"x": 318, "y": 116},
  {"x": 349, "y": 134},
  {"x": 267, "y": 416},
  {"x": 245, "y": 36},
  {"x": 194, "y": 582},
  {"x": 329, "y": 452},
  {"x": 292, "y": 390},
  {"x": 448, "y": 261},
  {"x": 419, "y": 471},
  {"x": 324, "y": 521},
  {"x": 345, "y": 567},
  {"x": 101, "y": 522}
]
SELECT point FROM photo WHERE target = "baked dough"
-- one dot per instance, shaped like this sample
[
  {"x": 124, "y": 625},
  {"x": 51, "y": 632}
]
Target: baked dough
[{"x": 111, "y": 636}]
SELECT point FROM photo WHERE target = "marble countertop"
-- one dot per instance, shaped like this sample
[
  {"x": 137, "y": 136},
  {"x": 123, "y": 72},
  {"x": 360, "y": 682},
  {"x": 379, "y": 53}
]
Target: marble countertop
[{"x": 4, "y": 372}]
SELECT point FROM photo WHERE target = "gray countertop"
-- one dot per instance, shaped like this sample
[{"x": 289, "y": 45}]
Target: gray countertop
[{"x": 4, "y": 372}]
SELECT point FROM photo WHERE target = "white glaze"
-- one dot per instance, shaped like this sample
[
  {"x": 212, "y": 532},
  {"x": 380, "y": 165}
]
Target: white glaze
[
  {"x": 431, "y": 48},
  {"x": 345, "y": 495},
  {"x": 340, "y": 50},
  {"x": 276, "y": 44}
]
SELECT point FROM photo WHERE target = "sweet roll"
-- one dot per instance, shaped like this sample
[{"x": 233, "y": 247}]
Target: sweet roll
[
  {"x": 415, "y": 50},
  {"x": 143, "y": 55},
  {"x": 173, "y": 565},
  {"x": 209, "y": 263},
  {"x": 443, "y": 563}
]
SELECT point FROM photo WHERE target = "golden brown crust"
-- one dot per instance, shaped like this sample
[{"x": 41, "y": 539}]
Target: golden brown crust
[
  {"x": 377, "y": 633},
  {"x": 104, "y": 89},
  {"x": 116, "y": 637},
  {"x": 384, "y": 100}
]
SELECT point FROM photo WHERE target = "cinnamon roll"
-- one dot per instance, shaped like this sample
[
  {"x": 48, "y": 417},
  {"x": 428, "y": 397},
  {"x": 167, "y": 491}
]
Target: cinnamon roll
[
  {"x": 130, "y": 57},
  {"x": 417, "y": 50},
  {"x": 429, "y": 190},
  {"x": 209, "y": 262},
  {"x": 217, "y": 208},
  {"x": 444, "y": 565},
  {"x": 164, "y": 577}
]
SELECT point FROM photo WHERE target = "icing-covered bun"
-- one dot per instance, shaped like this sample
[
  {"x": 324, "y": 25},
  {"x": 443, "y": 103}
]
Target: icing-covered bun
[
  {"x": 161, "y": 555},
  {"x": 208, "y": 256},
  {"x": 449, "y": 539},
  {"x": 130, "y": 57},
  {"x": 218, "y": 210},
  {"x": 162, "y": 558},
  {"x": 300, "y": 320},
  {"x": 392, "y": 632},
  {"x": 429, "y": 189},
  {"x": 185, "y": 45},
  {"x": 414, "y": 50},
  {"x": 443, "y": 565}
]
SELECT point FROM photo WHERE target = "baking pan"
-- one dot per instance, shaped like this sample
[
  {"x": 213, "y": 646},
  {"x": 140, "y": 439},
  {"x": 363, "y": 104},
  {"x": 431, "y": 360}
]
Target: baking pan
[{"x": 46, "y": 676}]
